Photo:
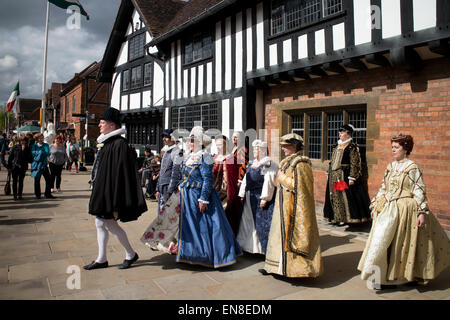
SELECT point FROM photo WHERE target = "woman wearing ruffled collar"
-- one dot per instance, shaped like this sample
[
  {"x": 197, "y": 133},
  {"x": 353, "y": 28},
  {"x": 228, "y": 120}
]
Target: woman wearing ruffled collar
[
  {"x": 205, "y": 236},
  {"x": 257, "y": 191}
]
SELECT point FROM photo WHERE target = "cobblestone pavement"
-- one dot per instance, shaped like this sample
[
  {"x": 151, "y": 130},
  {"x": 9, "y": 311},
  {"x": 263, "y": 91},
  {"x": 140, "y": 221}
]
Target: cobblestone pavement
[{"x": 41, "y": 239}]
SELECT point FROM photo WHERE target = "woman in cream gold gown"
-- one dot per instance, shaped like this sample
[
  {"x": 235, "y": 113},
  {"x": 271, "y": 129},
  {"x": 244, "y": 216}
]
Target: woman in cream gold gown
[
  {"x": 406, "y": 242},
  {"x": 293, "y": 248}
]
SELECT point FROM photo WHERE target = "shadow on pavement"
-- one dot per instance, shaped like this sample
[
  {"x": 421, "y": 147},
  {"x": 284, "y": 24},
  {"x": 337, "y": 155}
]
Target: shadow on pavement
[
  {"x": 338, "y": 269},
  {"x": 328, "y": 241},
  {"x": 24, "y": 221},
  {"x": 32, "y": 206},
  {"x": 168, "y": 261}
]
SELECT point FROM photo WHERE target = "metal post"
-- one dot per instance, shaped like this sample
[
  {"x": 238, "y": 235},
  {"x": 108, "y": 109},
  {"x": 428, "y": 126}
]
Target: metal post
[{"x": 44, "y": 75}]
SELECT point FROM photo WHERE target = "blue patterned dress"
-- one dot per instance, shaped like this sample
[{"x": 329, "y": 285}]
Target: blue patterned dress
[
  {"x": 205, "y": 238},
  {"x": 257, "y": 186}
]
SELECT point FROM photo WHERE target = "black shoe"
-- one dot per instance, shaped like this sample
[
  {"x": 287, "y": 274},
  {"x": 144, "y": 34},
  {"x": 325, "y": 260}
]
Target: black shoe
[
  {"x": 263, "y": 272},
  {"x": 388, "y": 287},
  {"x": 38, "y": 197},
  {"x": 96, "y": 265},
  {"x": 127, "y": 263},
  {"x": 49, "y": 196}
]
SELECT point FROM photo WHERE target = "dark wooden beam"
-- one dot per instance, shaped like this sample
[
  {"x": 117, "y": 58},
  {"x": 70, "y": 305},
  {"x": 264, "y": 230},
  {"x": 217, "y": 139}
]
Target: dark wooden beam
[
  {"x": 316, "y": 70},
  {"x": 299, "y": 74},
  {"x": 354, "y": 63},
  {"x": 406, "y": 58},
  {"x": 334, "y": 67},
  {"x": 270, "y": 79},
  {"x": 283, "y": 76},
  {"x": 378, "y": 59},
  {"x": 439, "y": 47}
]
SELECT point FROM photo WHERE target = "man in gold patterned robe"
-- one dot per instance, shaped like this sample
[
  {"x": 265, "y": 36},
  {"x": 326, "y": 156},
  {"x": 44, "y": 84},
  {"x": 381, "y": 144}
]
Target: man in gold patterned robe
[{"x": 293, "y": 248}]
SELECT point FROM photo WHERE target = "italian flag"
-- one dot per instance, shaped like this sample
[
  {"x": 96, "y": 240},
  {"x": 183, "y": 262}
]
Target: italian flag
[
  {"x": 12, "y": 98},
  {"x": 64, "y": 4}
]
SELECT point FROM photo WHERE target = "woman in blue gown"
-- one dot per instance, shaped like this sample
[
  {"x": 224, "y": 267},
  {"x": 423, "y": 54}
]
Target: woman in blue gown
[{"x": 205, "y": 237}]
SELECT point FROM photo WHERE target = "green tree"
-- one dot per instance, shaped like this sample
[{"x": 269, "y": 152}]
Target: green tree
[{"x": 4, "y": 117}]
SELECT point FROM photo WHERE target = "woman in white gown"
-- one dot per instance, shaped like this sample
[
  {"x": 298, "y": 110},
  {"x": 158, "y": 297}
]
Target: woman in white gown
[
  {"x": 406, "y": 242},
  {"x": 257, "y": 191}
]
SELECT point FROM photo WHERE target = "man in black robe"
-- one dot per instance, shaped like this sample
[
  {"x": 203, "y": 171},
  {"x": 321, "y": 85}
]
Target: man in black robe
[{"x": 116, "y": 191}]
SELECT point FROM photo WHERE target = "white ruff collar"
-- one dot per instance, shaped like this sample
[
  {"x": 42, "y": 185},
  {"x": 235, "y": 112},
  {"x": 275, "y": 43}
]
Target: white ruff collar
[
  {"x": 103, "y": 137},
  {"x": 343, "y": 142}
]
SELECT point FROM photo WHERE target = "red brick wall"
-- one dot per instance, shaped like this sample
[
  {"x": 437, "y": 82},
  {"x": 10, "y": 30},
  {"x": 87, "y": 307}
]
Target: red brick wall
[{"x": 416, "y": 103}]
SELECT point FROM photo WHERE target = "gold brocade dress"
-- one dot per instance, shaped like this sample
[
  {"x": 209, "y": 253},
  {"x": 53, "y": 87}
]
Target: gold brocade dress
[
  {"x": 401, "y": 250},
  {"x": 293, "y": 248}
]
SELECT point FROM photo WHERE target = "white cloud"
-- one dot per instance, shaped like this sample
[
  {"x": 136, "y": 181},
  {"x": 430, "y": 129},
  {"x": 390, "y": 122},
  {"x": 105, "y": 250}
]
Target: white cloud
[{"x": 7, "y": 63}]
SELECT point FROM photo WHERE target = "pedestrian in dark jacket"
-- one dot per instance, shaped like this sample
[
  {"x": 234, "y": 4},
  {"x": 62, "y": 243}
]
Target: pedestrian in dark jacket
[
  {"x": 116, "y": 191},
  {"x": 19, "y": 157},
  {"x": 3, "y": 149}
]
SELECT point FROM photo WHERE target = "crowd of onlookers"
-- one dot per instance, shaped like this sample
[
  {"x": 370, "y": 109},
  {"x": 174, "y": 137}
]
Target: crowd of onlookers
[
  {"x": 48, "y": 156},
  {"x": 149, "y": 172}
]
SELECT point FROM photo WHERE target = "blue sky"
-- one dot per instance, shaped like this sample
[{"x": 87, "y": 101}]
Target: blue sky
[{"x": 22, "y": 33}]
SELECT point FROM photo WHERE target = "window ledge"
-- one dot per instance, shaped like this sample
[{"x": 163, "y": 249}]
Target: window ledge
[
  {"x": 322, "y": 21},
  {"x": 196, "y": 63}
]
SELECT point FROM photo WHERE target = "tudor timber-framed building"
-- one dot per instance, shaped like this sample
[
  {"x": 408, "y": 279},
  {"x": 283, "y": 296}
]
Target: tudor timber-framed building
[
  {"x": 136, "y": 76},
  {"x": 309, "y": 66}
]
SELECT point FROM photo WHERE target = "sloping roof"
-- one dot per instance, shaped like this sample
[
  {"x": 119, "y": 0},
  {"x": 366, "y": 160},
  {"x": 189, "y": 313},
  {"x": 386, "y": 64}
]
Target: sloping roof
[
  {"x": 192, "y": 12},
  {"x": 116, "y": 38},
  {"x": 91, "y": 69},
  {"x": 27, "y": 106},
  {"x": 157, "y": 13},
  {"x": 163, "y": 18}
]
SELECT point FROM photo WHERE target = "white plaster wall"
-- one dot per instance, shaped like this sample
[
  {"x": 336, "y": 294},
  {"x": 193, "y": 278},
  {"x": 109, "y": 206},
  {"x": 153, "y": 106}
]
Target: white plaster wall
[
  {"x": 200, "y": 79},
  {"x": 391, "y": 18},
  {"x": 146, "y": 98},
  {"x": 424, "y": 14},
  {"x": 273, "y": 54},
  {"x": 158, "y": 85},
  {"x": 260, "y": 36},
  {"x": 228, "y": 53},
  {"x": 287, "y": 50},
  {"x": 303, "y": 46},
  {"x": 249, "y": 52},
  {"x": 226, "y": 116},
  {"x": 115, "y": 96},
  {"x": 320, "y": 41},
  {"x": 339, "y": 36},
  {"x": 239, "y": 51},
  {"x": 124, "y": 105},
  {"x": 363, "y": 21},
  {"x": 238, "y": 113},
  {"x": 209, "y": 78},
  {"x": 218, "y": 56},
  {"x": 135, "y": 101},
  {"x": 123, "y": 54}
]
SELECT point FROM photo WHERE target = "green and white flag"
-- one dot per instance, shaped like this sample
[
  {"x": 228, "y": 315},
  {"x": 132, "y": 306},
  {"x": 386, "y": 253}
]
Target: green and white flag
[{"x": 64, "y": 4}]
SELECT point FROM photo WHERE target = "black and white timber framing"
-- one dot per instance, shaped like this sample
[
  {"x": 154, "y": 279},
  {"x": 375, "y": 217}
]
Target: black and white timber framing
[{"x": 247, "y": 58}]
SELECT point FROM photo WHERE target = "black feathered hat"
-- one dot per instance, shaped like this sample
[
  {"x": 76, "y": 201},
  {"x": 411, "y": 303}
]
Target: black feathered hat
[{"x": 347, "y": 127}]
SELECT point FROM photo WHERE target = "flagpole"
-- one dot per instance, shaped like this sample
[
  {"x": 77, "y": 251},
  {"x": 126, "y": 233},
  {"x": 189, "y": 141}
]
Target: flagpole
[{"x": 44, "y": 76}]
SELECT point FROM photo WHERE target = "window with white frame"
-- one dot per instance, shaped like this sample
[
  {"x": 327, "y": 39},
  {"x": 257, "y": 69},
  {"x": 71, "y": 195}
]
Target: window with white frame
[{"x": 288, "y": 15}]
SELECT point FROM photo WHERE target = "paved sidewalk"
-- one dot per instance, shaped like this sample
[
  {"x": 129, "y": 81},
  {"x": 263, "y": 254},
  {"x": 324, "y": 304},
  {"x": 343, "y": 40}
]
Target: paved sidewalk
[{"x": 40, "y": 239}]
